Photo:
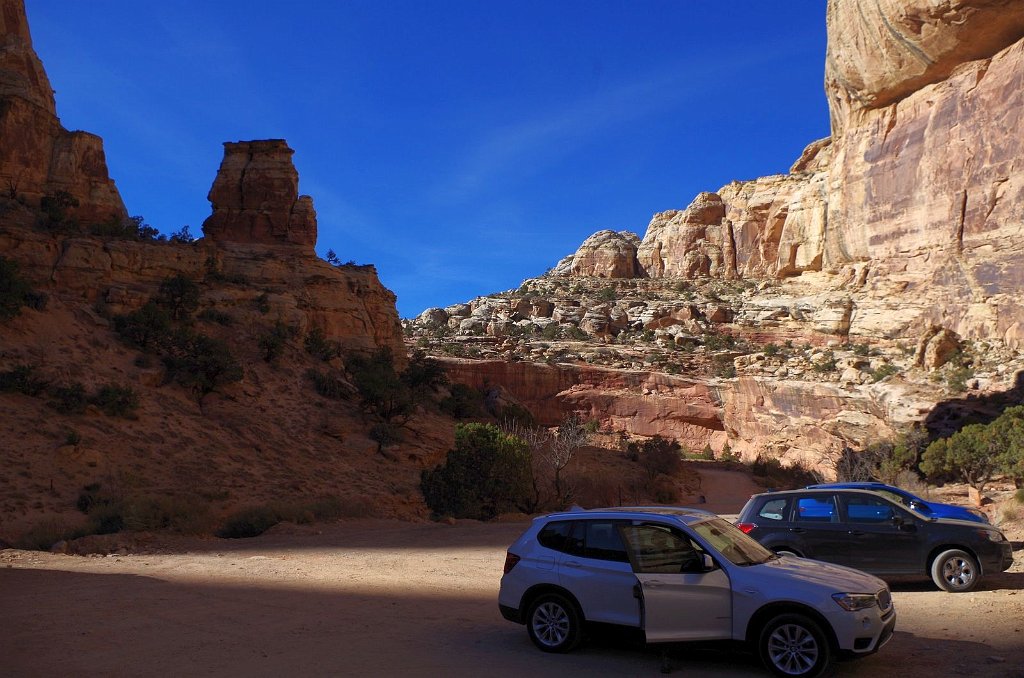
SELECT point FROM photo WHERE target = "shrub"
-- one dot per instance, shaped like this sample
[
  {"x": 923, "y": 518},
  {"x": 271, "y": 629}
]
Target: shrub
[
  {"x": 182, "y": 235},
  {"x": 179, "y": 295},
  {"x": 385, "y": 434},
  {"x": 328, "y": 385},
  {"x": 318, "y": 346},
  {"x": 381, "y": 388},
  {"x": 117, "y": 401},
  {"x": 14, "y": 291},
  {"x": 22, "y": 379},
  {"x": 883, "y": 371},
  {"x": 145, "y": 328},
  {"x": 250, "y": 522},
  {"x": 423, "y": 375},
  {"x": 464, "y": 402},
  {"x": 128, "y": 228},
  {"x": 659, "y": 456},
  {"x": 200, "y": 363},
  {"x": 215, "y": 316},
  {"x": 607, "y": 294},
  {"x": 826, "y": 364},
  {"x": 487, "y": 473},
  {"x": 70, "y": 399},
  {"x": 771, "y": 349},
  {"x": 1019, "y": 496},
  {"x": 43, "y": 535},
  {"x": 272, "y": 343},
  {"x": 665, "y": 490},
  {"x": 73, "y": 438},
  {"x": 263, "y": 303},
  {"x": 55, "y": 206}
]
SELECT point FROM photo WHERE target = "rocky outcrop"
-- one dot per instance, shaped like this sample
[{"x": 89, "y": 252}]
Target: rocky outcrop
[
  {"x": 255, "y": 197},
  {"x": 690, "y": 243},
  {"x": 38, "y": 157},
  {"x": 608, "y": 254},
  {"x": 880, "y": 52}
]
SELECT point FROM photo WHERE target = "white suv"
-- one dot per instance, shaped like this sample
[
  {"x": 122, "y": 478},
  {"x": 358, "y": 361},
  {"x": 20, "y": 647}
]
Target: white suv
[{"x": 679, "y": 574}]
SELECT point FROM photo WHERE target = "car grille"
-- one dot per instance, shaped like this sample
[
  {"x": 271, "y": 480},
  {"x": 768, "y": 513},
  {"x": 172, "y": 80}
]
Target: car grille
[{"x": 884, "y": 599}]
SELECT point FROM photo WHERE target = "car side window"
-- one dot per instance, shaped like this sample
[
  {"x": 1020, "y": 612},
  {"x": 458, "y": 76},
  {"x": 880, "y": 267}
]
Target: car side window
[
  {"x": 775, "y": 509},
  {"x": 555, "y": 535},
  {"x": 657, "y": 549},
  {"x": 603, "y": 541},
  {"x": 868, "y": 510},
  {"x": 819, "y": 508}
]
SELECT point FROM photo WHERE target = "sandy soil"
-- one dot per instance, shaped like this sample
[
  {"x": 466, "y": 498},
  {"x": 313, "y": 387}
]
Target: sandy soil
[{"x": 383, "y": 598}]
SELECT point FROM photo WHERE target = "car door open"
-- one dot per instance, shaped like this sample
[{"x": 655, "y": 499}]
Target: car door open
[{"x": 683, "y": 595}]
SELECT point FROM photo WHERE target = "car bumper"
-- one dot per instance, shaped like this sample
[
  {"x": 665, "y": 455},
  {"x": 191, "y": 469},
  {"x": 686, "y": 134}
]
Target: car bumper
[
  {"x": 510, "y": 613},
  {"x": 864, "y": 632}
]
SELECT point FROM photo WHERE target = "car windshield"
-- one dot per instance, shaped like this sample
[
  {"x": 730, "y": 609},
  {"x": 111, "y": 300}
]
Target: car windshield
[
  {"x": 736, "y": 547},
  {"x": 907, "y": 499}
]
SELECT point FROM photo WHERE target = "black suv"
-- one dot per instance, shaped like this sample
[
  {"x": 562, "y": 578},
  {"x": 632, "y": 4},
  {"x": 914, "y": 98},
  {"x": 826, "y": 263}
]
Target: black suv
[{"x": 867, "y": 531}]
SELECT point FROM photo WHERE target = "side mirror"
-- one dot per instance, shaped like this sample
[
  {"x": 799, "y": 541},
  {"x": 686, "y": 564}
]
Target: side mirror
[
  {"x": 896, "y": 520},
  {"x": 708, "y": 562}
]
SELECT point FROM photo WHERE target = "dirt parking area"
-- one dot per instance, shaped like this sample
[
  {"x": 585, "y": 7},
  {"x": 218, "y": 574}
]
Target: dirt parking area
[{"x": 388, "y": 598}]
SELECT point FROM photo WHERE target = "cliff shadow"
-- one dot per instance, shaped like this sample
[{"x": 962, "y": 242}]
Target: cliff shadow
[{"x": 949, "y": 416}]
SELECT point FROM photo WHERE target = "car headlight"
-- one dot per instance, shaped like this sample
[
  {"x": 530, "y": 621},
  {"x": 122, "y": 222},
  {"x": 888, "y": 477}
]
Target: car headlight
[
  {"x": 992, "y": 535},
  {"x": 851, "y": 602}
]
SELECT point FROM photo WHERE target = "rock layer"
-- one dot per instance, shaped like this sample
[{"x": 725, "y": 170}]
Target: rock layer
[
  {"x": 38, "y": 157},
  {"x": 255, "y": 197}
]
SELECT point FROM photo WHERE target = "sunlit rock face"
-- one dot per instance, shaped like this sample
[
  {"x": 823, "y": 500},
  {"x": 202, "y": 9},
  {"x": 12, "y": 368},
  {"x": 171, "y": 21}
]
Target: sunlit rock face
[
  {"x": 926, "y": 181},
  {"x": 38, "y": 157},
  {"x": 607, "y": 254},
  {"x": 255, "y": 197}
]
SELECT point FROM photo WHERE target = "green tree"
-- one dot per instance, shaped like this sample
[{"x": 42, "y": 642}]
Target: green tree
[
  {"x": 179, "y": 295},
  {"x": 487, "y": 473},
  {"x": 971, "y": 454},
  {"x": 382, "y": 389},
  {"x": 13, "y": 289}
]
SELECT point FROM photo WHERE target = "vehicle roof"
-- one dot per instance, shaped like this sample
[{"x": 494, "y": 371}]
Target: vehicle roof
[
  {"x": 818, "y": 490},
  {"x": 851, "y": 484},
  {"x": 684, "y": 514}
]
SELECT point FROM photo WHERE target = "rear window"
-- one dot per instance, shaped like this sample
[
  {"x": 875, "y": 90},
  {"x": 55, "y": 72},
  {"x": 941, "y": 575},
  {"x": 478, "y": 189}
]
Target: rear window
[
  {"x": 556, "y": 536},
  {"x": 775, "y": 509}
]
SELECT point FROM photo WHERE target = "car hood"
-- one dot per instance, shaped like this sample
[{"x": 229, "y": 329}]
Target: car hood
[{"x": 835, "y": 577}]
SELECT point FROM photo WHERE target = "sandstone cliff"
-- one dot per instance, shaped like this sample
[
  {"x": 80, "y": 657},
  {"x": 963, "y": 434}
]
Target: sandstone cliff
[
  {"x": 830, "y": 305},
  {"x": 38, "y": 157}
]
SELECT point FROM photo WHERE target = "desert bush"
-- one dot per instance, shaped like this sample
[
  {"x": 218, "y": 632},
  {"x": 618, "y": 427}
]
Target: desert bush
[
  {"x": 262, "y": 303},
  {"x": 1019, "y": 496},
  {"x": 184, "y": 515},
  {"x": 488, "y": 472},
  {"x": 249, "y": 522},
  {"x": 657, "y": 456},
  {"x": 14, "y": 290},
  {"x": 43, "y": 535},
  {"x": 128, "y": 228},
  {"x": 55, "y": 207},
  {"x": 328, "y": 384},
  {"x": 69, "y": 399},
  {"x": 883, "y": 371},
  {"x": 200, "y": 363},
  {"x": 255, "y": 520},
  {"x": 385, "y": 434},
  {"x": 464, "y": 402},
  {"x": 607, "y": 294},
  {"x": 182, "y": 235},
  {"x": 827, "y": 363},
  {"x": 116, "y": 401},
  {"x": 273, "y": 341},
  {"x": 215, "y": 316},
  {"x": 22, "y": 379},
  {"x": 382, "y": 389},
  {"x": 665, "y": 490},
  {"x": 318, "y": 346},
  {"x": 423, "y": 374},
  {"x": 145, "y": 328},
  {"x": 179, "y": 295}
]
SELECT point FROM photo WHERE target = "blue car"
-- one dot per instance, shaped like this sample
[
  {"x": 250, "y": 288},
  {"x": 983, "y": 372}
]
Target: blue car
[{"x": 930, "y": 509}]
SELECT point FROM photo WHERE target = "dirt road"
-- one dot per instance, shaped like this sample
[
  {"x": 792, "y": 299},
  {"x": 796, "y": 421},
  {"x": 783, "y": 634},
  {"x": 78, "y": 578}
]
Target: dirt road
[{"x": 377, "y": 598}]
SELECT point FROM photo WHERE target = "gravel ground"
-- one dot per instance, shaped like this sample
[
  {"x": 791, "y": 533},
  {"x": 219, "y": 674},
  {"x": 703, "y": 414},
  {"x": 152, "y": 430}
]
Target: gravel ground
[{"x": 388, "y": 598}]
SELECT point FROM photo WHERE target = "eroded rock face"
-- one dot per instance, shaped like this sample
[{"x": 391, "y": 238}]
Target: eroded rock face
[
  {"x": 690, "y": 243},
  {"x": 879, "y": 52},
  {"x": 255, "y": 197},
  {"x": 38, "y": 157},
  {"x": 608, "y": 254}
]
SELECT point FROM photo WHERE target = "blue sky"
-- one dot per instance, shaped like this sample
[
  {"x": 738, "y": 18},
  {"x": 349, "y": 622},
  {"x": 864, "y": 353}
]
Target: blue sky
[{"x": 460, "y": 146}]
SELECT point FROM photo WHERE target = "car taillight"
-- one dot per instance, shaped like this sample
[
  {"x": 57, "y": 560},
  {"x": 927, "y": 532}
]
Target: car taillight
[
  {"x": 747, "y": 527},
  {"x": 510, "y": 561}
]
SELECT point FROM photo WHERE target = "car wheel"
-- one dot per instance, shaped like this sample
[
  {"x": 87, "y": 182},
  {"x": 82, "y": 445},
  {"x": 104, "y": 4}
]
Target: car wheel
[
  {"x": 794, "y": 645},
  {"x": 553, "y": 623},
  {"x": 955, "y": 571}
]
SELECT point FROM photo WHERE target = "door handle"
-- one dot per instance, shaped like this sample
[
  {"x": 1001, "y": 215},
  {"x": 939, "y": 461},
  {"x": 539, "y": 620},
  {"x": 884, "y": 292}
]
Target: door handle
[
  {"x": 797, "y": 529},
  {"x": 856, "y": 533}
]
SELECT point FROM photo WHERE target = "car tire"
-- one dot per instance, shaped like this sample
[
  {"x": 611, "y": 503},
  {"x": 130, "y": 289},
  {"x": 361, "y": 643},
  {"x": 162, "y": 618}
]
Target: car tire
[
  {"x": 554, "y": 623},
  {"x": 955, "y": 571},
  {"x": 794, "y": 645}
]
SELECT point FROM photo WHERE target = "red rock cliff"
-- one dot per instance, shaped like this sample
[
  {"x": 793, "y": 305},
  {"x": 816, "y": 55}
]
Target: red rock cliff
[
  {"x": 38, "y": 157},
  {"x": 256, "y": 197}
]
